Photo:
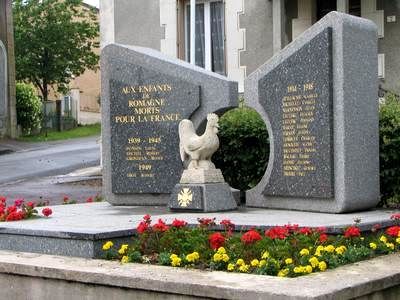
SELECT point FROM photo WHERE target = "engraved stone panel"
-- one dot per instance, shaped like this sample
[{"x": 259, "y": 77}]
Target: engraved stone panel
[
  {"x": 298, "y": 94},
  {"x": 144, "y": 114}
]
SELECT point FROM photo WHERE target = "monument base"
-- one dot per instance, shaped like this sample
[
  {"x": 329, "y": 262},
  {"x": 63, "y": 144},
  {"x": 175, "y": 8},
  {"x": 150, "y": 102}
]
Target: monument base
[
  {"x": 202, "y": 176},
  {"x": 206, "y": 197}
]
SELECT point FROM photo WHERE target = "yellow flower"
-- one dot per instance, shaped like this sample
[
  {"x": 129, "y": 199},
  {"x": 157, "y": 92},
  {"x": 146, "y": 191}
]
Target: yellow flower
[
  {"x": 225, "y": 257},
  {"x": 192, "y": 257},
  {"x": 308, "y": 269},
  {"x": 175, "y": 260},
  {"x": 304, "y": 252},
  {"x": 318, "y": 250},
  {"x": 221, "y": 250},
  {"x": 390, "y": 245},
  {"x": 283, "y": 272},
  {"x": 383, "y": 239},
  {"x": 124, "y": 259},
  {"x": 288, "y": 261},
  {"x": 341, "y": 249},
  {"x": 322, "y": 266},
  {"x": 372, "y": 246},
  {"x": 230, "y": 267},
  {"x": 244, "y": 268},
  {"x": 254, "y": 263},
  {"x": 217, "y": 257},
  {"x": 108, "y": 245},
  {"x": 298, "y": 269},
  {"x": 123, "y": 249},
  {"x": 313, "y": 261},
  {"x": 398, "y": 240},
  {"x": 329, "y": 248},
  {"x": 240, "y": 262},
  {"x": 265, "y": 255},
  {"x": 262, "y": 263}
]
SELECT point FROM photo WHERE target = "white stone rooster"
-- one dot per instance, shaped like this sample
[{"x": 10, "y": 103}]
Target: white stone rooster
[{"x": 199, "y": 148}]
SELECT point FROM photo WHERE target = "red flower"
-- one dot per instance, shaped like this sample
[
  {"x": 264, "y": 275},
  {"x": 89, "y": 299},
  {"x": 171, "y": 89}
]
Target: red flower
[
  {"x": 216, "y": 240},
  {"x": 178, "y": 223},
  {"x": 393, "y": 231},
  {"x": 321, "y": 229},
  {"x": 277, "y": 232},
  {"x": 395, "y": 216},
  {"x": 31, "y": 204},
  {"x": 376, "y": 227},
  {"x": 47, "y": 211},
  {"x": 352, "y": 231},
  {"x": 228, "y": 225},
  {"x": 15, "y": 216},
  {"x": 251, "y": 237},
  {"x": 142, "y": 227},
  {"x": 66, "y": 198},
  {"x": 160, "y": 226},
  {"x": 292, "y": 228},
  {"x": 147, "y": 218},
  {"x": 205, "y": 222},
  {"x": 2, "y": 199},
  {"x": 323, "y": 238},
  {"x": 305, "y": 230},
  {"x": 11, "y": 209},
  {"x": 89, "y": 200},
  {"x": 18, "y": 202}
]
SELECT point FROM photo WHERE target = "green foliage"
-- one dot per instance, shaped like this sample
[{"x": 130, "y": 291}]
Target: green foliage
[
  {"x": 29, "y": 107},
  {"x": 54, "y": 40},
  {"x": 389, "y": 124},
  {"x": 80, "y": 131},
  {"x": 243, "y": 154},
  {"x": 279, "y": 251}
]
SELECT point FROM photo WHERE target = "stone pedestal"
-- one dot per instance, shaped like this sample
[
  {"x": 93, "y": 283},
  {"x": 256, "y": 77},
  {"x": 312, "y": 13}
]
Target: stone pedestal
[{"x": 204, "y": 197}]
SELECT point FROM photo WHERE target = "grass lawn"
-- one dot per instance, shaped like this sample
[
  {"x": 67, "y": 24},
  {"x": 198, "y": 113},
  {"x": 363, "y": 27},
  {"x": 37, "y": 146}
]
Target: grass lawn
[{"x": 81, "y": 131}]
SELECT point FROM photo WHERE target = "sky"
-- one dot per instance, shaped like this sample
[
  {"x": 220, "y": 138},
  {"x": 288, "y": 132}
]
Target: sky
[{"x": 92, "y": 2}]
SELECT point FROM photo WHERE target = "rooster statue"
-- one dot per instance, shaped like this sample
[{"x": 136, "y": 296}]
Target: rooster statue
[{"x": 199, "y": 148}]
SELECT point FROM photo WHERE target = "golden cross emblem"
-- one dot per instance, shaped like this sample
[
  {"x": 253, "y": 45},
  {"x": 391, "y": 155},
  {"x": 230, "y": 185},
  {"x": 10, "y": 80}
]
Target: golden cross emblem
[{"x": 185, "y": 197}]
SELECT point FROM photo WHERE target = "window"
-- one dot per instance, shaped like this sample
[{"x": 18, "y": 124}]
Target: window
[{"x": 209, "y": 34}]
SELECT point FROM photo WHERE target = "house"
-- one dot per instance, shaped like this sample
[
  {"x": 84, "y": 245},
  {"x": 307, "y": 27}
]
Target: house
[
  {"x": 8, "y": 117},
  {"x": 235, "y": 37}
]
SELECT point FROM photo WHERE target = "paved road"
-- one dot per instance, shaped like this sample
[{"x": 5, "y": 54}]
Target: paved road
[{"x": 45, "y": 159}]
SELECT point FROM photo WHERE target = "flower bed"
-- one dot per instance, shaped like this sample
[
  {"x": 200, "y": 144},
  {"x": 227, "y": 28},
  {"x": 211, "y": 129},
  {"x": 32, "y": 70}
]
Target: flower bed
[
  {"x": 285, "y": 251},
  {"x": 21, "y": 210}
]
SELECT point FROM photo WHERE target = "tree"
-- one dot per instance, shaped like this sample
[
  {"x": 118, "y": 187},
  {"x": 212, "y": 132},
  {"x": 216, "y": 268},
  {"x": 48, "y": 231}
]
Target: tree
[{"x": 54, "y": 40}]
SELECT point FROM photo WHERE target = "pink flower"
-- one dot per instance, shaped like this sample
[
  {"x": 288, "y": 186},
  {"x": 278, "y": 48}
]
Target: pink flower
[
  {"x": 228, "y": 225},
  {"x": 47, "y": 211},
  {"x": 395, "y": 216},
  {"x": 18, "y": 202},
  {"x": 205, "y": 222}
]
